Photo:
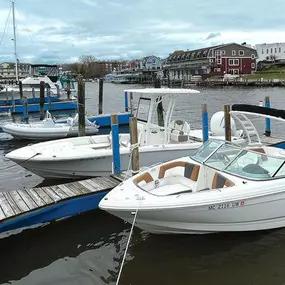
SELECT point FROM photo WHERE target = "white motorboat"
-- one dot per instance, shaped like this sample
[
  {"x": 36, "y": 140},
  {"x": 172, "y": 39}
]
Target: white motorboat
[
  {"x": 221, "y": 188},
  {"x": 48, "y": 129},
  {"x": 160, "y": 138}
]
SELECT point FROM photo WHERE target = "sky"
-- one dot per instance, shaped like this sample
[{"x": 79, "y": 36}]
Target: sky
[{"x": 60, "y": 31}]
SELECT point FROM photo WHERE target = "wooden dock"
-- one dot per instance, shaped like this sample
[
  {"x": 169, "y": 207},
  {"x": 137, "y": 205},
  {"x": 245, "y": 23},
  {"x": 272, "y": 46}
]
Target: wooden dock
[{"x": 24, "y": 208}]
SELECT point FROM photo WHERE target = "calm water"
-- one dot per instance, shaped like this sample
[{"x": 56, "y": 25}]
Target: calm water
[{"x": 88, "y": 249}]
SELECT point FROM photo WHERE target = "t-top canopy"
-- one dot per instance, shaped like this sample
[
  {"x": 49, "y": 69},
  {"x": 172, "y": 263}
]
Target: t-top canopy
[{"x": 162, "y": 91}]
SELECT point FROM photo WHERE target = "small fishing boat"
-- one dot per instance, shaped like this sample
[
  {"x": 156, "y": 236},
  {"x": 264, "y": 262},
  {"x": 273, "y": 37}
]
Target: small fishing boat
[
  {"x": 223, "y": 187},
  {"x": 48, "y": 129},
  {"x": 161, "y": 137}
]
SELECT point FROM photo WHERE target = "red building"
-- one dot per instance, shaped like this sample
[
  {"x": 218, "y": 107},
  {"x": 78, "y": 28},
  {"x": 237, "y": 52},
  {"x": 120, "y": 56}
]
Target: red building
[{"x": 216, "y": 60}]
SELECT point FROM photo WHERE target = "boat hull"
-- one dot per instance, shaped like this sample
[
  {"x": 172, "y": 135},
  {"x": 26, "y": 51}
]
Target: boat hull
[
  {"x": 244, "y": 214},
  {"x": 99, "y": 165}
]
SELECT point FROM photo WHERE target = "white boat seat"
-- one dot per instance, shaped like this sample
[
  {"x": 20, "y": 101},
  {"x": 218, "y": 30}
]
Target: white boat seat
[
  {"x": 179, "y": 130},
  {"x": 191, "y": 171},
  {"x": 178, "y": 136},
  {"x": 219, "y": 181}
]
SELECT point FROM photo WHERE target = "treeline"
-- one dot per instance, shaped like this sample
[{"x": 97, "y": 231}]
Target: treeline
[{"x": 90, "y": 67}]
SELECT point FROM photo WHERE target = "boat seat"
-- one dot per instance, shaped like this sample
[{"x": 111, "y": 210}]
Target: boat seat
[
  {"x": 191, "y": 171},
  {"x": 219, "y": 181},
  {"x": 146, "y": 177},
  {"x": 179, "y": 130}
]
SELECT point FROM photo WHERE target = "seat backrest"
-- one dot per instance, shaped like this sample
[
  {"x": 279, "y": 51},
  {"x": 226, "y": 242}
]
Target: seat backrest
[
  {"x": 146, "y": 177},
  {"x": 220, "y": 181},
  {"x": 191, "y": 170},
  {"x": 259, "y": 149}
]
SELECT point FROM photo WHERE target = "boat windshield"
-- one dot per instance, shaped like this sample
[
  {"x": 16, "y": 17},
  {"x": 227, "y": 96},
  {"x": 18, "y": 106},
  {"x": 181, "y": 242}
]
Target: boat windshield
[{"x": 235, "y": 160}]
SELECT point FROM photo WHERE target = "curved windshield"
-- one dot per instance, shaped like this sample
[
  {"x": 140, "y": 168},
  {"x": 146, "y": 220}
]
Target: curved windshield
[{"x": 232, "y": 159}]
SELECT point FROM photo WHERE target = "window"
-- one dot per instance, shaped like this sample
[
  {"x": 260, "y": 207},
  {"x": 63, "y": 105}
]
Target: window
[
  {"x": 218, "y": 61},
  {"x": 275, "y": 50},
  {"x": 234, "y": 62},
  {"x": 267, "y": 50},
  {"x": 241, "y": 52},
  {"x": 233, "y": 52},
  {"x": 218, "y": 52},
  {"x": 279, "y": 49},
  {"x": 271, "y": 50},
  {"x": 211, "y": 60},
  {"x": 262, "y": 51},
  {"x": 223, "y": 52},
  {"x": 253, "y": 56},
  {"x": 253, "y": 65}
]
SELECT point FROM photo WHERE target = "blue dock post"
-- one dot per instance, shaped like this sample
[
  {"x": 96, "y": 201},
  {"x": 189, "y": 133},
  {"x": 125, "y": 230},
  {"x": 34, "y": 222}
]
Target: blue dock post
[
  {"x": 13, "y": 100},
  {"x": 115, "y": 144},
  {"x": 267, "y": 120},
  {"x": 126, "y": 102},
  {"x": 205, "y": 124}
]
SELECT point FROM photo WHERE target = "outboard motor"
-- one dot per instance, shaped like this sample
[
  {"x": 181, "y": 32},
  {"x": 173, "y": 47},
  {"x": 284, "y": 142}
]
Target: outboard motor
[{"x": 217, "y": 124}]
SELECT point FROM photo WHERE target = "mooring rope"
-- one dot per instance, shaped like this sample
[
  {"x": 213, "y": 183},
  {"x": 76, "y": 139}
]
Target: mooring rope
[
  {"x": 11, "y": 166},
  {"x": 127, "y": 246},
  {"x": 133, "y": 146}
]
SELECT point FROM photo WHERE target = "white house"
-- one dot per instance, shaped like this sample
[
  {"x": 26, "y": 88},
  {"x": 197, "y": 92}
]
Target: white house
[{"x": 271, "y": 52}]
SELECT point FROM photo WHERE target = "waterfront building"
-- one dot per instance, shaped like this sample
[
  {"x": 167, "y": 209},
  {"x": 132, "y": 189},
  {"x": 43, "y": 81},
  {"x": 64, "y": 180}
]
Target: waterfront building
[
  {"x": 273, "y": 52},
  {"x": 217, "y": 60}
]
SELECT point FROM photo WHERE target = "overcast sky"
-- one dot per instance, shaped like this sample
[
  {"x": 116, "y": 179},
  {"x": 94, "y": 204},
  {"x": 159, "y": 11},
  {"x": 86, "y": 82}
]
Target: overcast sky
[{"x": 57, "y": 31}]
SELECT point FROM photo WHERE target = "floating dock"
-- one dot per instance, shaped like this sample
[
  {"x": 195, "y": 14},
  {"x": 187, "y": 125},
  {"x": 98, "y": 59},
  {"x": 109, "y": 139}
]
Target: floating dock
[
  {"x": 34, "y": 107},
  {"x": 24, "y": 208}
]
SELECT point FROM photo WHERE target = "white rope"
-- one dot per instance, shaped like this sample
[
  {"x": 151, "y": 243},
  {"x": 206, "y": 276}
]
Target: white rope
[
  {"x": 127, "y": 246},
  {"x": 133, "y": 146}
]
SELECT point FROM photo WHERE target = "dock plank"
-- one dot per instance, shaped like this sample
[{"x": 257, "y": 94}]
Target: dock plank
[
  {"x": 37, "y": 199},
  {"x": 43, "y": 195},
  {"x": 59, "y": 192},
  {"x": 110, "y": 180},
  {"x": 98, "y": 185},
  {"x": 2, "y": 214},
  {"x": 86, "y": 185},
  {"x": 78, "y": 188},
  {"x": 19, "y": 201},
  {"x": 51, "y": 193},
  {"x": 8, "y": 210},
  {"x": 12, "y": 203},
  {"x": 27, "y": 198},
  {"x": 66, "y": 190}
]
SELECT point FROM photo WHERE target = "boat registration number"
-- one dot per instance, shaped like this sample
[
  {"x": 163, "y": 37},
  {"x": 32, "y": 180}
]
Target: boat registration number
[{"x": 226, "y": 205}]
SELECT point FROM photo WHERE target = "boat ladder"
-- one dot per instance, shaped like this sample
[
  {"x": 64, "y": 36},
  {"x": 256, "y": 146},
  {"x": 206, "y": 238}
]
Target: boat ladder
[{"x": 250, "y": 131}]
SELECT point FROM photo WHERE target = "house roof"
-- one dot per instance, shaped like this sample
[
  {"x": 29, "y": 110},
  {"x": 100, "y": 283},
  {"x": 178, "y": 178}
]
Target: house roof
[{"x": 199, "y": 53}]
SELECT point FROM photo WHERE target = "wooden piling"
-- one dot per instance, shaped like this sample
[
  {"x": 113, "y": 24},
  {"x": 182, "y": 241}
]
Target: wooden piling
[
  {"x": 126, "y": 102},
  {"x": 134, "y": 145},
  {"x": 227, "y": 122},
  {"x": 25, "y": 109},
  {"x": 115, "y": 144},
  {"x": 33, "y": 94},
  {"x": 100, "y": 104},
  {"x": 42, "y": 100},
  {"x": 68, "y": 92},
  {"x": 205, "y": 123},
  {"x": 21, "y": 89},
  {"x": 81, "y": 108},
  {"x": 267, "y": 120},
  {"x": 13, "y": 100},
  {"x": 157, "y": 84},
  {"x": 7, "y": 96}
]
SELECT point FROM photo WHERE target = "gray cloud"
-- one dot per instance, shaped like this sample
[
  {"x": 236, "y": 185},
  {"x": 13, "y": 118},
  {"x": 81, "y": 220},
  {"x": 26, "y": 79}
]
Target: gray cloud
[{"x": 131, "y": 29}]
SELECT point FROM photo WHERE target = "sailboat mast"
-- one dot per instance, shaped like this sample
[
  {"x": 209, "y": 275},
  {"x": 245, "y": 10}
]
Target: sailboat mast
[{"x": 15, "y": 43}]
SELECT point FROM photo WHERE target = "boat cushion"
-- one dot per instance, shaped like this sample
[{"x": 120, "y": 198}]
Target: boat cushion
[
  {"x": 146, "y": 177},
  {"x": 191, "y": 171},
  {"x": 220, "y": 181},
  {"x": 178, "y": 136}
]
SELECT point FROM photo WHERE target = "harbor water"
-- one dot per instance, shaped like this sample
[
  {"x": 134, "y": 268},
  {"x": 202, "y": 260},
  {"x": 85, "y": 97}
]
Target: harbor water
[{"x": 88, "y": 249}]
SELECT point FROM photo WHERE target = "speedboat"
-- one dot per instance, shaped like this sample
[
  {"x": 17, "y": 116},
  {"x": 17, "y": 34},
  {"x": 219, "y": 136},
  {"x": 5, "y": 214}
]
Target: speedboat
[
  {"x": 222, "y": 187},
  {"x": 161, "y": 137},
  {"x": 48, "y": 129}
]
